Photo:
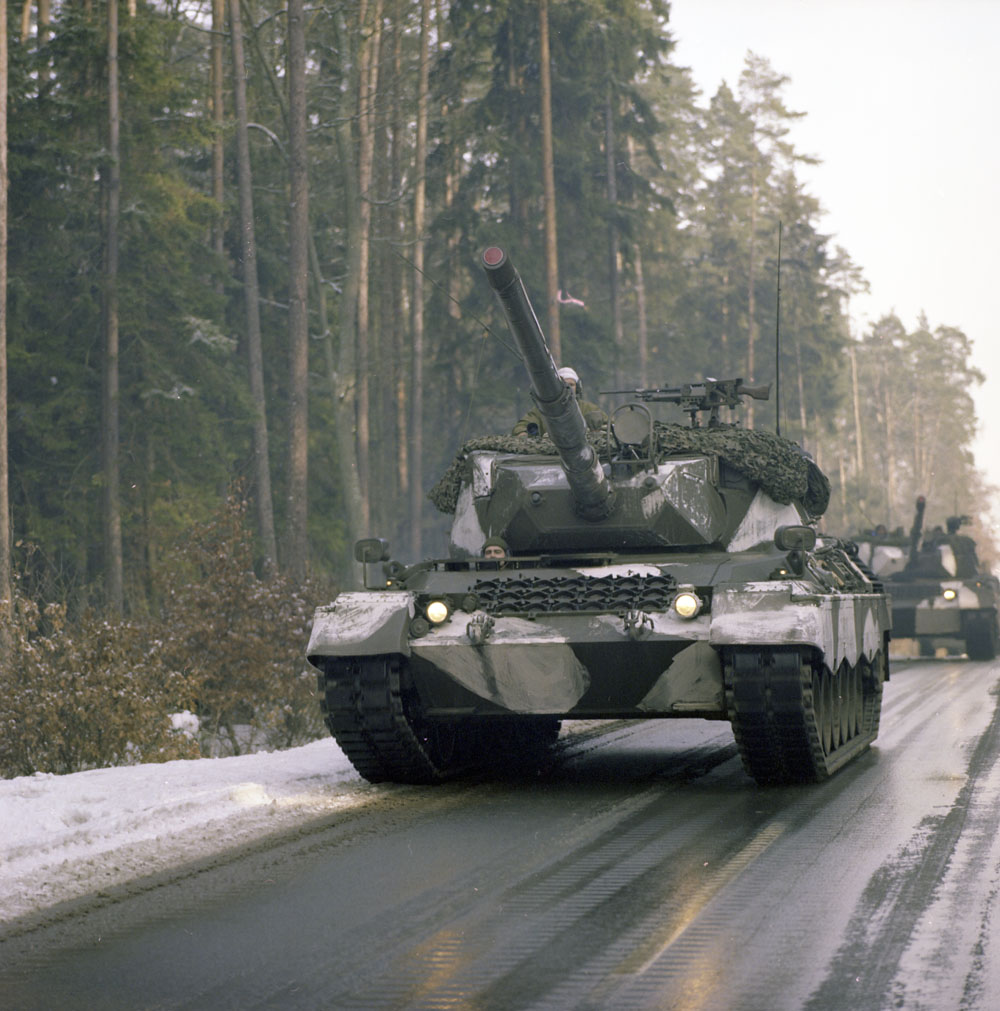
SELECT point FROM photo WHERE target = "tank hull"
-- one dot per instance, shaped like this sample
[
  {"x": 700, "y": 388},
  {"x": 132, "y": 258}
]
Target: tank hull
[
  {"x": 545, "y": 643},
  {"x": 949, "y": 609},
  {"x": 597, "y": 663}
]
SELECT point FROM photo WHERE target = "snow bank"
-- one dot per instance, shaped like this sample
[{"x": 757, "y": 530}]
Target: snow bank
[{"x": 62, "y": 837}]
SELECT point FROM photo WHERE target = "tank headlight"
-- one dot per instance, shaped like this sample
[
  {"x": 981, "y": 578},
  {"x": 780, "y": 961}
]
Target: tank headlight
[
  {"x": 437, "y": 611},
  {"x": 949, "y": 594},
  {"x": 687, "y": 604}
]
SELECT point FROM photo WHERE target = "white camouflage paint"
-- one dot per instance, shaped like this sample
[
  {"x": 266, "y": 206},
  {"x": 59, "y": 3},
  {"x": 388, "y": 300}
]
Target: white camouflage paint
[
  {"x": 529, "y": 666},
  {"x": 937, "y": 616},
  {"x": 625, "y": 569},
  {"x": 526, "y": 667},
  {"x": 692, "y": 682},
  {"x": 355, "y": 618},
  {"x": 482, "y": 473},
  {"x": 687, "y": 486},
  {"x": 887, "y": 559},
  {"x": 761, "y": 520},
  {"x": 466, "y": 533},
  {"x": 778, "y": 613},
  {"x": 658, "y": 624}
]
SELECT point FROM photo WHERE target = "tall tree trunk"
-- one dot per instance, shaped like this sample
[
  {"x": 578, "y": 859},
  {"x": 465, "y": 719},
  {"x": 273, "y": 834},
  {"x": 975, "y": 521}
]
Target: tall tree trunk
[
  {"x": 342, "y": 360},
  {"x": 800, "y": 381},
  {"x": 5, "y": 563},
  {"x": 890, "y": 455},
  {"x": 368, "y": 64},
  {"x": 613, "y": 274},
  {"x": 251, "y": 299},
  {"x": 842, "y": 474},
  {"x": 751, "y": 287},
  {"x": 859, "y": 444},
  {"x": 218, "y": 121},
  {"x": 400, "y": 287},
  {"x": 44, "y": 31},
  {"x": 640, "y": 297},
  {"x": 113, "y": 578},
  {"x": 297, "y": 562},
  {"x": 724, "y": 326},
  {"x": 859, "y": 461},
  {"x": 548, "y": 174},
  {"x": 517, "y": 210},
  {"x": 417, "y": 328}
]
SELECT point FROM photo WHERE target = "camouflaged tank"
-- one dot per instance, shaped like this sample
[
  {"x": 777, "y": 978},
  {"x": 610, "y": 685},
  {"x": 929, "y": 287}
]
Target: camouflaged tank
[
  {"x": 654, "y": 570},
  {"x": 940, "y": 593}
]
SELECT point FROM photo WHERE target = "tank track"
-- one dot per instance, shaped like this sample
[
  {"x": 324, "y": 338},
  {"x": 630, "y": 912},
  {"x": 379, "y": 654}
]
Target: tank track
[
  {"x": 795, "y": 721},
  {"x": 376, "y": 722},
  {"x": 982, "y": 637}
]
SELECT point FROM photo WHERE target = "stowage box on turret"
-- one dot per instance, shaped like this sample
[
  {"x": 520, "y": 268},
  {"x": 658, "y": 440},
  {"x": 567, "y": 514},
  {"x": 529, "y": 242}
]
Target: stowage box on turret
[{"x": 654, "y": 570}]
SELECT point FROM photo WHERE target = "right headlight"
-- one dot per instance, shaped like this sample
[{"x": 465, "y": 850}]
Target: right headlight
[{"x": 687, "y": 604}]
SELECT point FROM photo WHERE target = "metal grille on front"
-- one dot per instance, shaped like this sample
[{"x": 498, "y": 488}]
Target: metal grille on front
[{"x": 576, "y": 593}]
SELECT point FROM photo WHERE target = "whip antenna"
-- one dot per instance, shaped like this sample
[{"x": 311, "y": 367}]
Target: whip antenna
[{"x": 777, "y": 346}]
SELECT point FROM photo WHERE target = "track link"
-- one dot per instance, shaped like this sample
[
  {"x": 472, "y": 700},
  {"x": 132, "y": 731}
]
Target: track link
[
  {"x": 793, "y": 719},
  {"x": 363, "y": 705},
  {"x": 376, "y": 721}
]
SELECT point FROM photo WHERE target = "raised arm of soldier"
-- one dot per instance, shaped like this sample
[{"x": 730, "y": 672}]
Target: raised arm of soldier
[{"x": 533, "y": 423}]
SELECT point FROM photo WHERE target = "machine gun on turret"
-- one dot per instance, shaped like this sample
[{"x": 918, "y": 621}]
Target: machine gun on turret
[
  {"x": 591, "y": 489},
  {"x": 694, "y": 398}
]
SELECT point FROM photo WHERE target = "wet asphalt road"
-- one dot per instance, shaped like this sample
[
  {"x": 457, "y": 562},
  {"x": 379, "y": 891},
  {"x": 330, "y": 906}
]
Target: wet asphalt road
[{"x": 643, "y": 870}]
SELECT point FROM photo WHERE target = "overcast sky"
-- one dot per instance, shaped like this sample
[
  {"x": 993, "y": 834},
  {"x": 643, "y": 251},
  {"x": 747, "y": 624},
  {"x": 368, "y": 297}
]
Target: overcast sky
[{"x": 902, "y": 103}]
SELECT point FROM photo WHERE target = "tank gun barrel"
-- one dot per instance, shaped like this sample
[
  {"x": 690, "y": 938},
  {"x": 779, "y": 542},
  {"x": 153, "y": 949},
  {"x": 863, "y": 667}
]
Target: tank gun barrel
[
  {"x": 917, "y": 529},
  {"x": 591, "y": 489}
]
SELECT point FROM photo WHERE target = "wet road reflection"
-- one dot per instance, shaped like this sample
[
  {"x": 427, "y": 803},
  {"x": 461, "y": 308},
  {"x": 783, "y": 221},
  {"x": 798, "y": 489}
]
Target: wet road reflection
[{"x": 644, "y": 869}]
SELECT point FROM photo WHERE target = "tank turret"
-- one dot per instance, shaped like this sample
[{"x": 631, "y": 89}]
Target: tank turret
[
  {"x": 638, "y": 484},
  {"x": 592, "y": 492}
]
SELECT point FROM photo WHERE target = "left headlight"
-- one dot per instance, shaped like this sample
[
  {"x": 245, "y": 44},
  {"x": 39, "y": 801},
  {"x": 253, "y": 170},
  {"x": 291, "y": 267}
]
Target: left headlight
[
  {"x": 687, "y": 604},
  {"x": 437, "y": 611},
  {"x": 949, "y": 594}
]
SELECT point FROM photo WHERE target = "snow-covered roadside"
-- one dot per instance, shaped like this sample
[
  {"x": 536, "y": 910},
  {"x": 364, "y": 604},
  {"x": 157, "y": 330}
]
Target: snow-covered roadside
[{"x": 62, "y": 837}]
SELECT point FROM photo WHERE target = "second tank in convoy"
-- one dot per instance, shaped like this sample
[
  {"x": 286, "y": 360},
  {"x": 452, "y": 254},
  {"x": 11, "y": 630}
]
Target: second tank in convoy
[
  {"x": 652, "y": 570},
  {"x": 940, "y": 592}
]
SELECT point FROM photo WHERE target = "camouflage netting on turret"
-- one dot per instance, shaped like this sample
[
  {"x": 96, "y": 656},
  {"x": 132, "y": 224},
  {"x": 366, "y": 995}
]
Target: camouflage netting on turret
[{"x": 776, "y": 464}]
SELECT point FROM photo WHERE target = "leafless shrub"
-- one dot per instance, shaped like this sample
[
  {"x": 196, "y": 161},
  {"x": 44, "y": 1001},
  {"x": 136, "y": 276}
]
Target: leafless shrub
[{"x": 225, "y": 645}]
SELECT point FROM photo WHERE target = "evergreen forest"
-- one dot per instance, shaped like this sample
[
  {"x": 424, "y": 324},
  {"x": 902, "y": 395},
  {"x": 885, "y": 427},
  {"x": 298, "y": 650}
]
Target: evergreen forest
[{"x": 243, "y": 245}]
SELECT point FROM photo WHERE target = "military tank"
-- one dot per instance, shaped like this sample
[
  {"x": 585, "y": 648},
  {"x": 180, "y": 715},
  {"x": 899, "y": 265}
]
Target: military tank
[
  {"x": 939, "y": 590},
  {"x": 653, "y": 570}
]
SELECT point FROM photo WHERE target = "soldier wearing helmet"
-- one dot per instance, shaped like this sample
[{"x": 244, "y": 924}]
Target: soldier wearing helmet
[{"x": 533, "y": 423}]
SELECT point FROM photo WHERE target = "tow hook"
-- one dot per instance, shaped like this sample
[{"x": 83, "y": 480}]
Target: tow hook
[
  {"x": 479, "y": 628},
  {"x": 635, "y": 624}
]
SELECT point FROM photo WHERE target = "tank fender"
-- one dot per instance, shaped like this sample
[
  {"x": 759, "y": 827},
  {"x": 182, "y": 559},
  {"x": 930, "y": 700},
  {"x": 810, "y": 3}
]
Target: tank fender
[
  {"x": 842, "y": 626},
  {"x": 362, "y": 624}
]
